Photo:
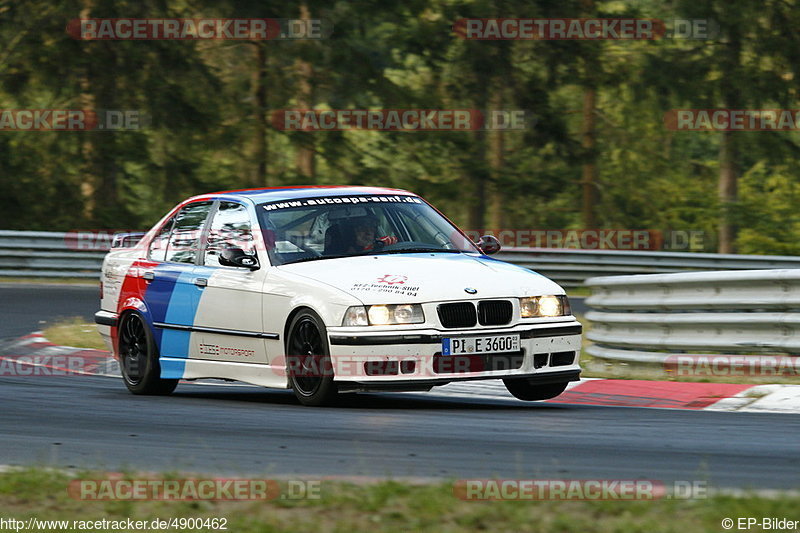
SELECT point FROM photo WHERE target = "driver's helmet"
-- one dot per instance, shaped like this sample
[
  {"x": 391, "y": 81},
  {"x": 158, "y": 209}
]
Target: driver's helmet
[
  {"x": 366, "y": 221},
  {"x": 355, "y": 225}
]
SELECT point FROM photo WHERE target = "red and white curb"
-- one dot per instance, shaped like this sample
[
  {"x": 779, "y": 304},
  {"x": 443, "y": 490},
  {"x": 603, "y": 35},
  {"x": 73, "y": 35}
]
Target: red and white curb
[
  {"x": 653, "y": 394},
  {"x": 41, "y": 357},
  {"x": 775, "y": 398}
]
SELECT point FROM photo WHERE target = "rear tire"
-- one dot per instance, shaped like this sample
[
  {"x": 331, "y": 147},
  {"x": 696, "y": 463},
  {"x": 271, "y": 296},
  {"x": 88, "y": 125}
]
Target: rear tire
[
  {"x": 524, "y": 389},
  {"x": 308, "y": 360},
  {"x": 138, "y": 358}
]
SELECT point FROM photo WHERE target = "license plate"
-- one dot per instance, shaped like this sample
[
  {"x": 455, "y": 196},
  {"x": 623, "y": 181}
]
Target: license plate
[{"x": 480, "y": 344}]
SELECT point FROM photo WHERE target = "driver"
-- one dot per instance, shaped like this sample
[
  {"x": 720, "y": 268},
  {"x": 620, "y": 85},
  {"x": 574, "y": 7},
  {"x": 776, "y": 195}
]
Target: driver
[{"x": 363, "y": 235}]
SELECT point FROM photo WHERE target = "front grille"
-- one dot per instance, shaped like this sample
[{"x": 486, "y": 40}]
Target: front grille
[
  {"x": 494, "y": 312},
  {"x": 457, "y": 315}
]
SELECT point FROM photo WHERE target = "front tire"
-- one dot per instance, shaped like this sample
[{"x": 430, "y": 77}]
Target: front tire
[
  {"x": 308, "y": 360},
  {"x": 138, "y": 359},
  {"x": 524, "y": 389}
]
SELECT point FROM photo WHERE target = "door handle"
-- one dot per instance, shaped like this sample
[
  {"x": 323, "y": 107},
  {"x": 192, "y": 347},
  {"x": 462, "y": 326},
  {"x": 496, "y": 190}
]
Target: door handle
[
  {"x": 201, "y": 282},
  {"x": 149, "y": 276}
]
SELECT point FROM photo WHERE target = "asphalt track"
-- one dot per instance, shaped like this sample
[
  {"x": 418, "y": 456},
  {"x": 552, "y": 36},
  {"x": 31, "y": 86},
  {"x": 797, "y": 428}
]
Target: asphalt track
[
  {"x": 93, "y": 422},
  {"x": 28, "y": 307}
]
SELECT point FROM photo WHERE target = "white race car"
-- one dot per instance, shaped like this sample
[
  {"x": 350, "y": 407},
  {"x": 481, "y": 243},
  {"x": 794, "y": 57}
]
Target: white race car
[{"x": 326, "y": 290}]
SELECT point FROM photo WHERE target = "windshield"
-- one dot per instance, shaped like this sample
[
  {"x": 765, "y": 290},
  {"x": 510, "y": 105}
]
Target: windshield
[{"x": 342, "y": 226}]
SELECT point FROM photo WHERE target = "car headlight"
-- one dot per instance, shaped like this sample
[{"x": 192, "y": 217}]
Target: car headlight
[
  {"x": 544, "y": 306},
  {"x": 383, "y": 315},
  {"x": 355, "y": 316}
]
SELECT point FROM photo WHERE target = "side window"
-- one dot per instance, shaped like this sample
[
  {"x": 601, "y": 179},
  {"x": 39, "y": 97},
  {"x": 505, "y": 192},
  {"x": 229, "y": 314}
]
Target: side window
[
  {"x": 230, "y": 228},
  {"x": 185, "y": 238},
  {"x": 158, "y": 246}
]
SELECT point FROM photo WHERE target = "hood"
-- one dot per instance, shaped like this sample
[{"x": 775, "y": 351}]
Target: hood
[{"x": 424, "y": 277}]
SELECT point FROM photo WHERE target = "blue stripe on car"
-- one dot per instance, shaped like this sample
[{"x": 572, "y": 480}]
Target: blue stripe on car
[
  {"x": 158, "y": 294},
  {"x": 181, "y": 310}
]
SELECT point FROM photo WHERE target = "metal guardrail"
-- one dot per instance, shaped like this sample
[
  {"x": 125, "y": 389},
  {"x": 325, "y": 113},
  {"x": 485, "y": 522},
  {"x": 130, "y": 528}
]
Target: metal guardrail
[
  {"x": 648, "y": 318},
  {"x": 57, "y": 254},
  {"x": 573, "y": 267},
  {"x": 46, "y": 254}
]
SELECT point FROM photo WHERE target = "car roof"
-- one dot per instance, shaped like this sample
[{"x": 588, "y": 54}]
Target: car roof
[{"x": 277, "y": 194}]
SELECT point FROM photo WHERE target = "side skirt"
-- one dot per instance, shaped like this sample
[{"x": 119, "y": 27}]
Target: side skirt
[{"x": 255, "y": 374}]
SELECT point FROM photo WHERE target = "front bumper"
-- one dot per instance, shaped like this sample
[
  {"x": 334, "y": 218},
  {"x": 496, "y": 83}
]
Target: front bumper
[{"x": 394, "y": 358}]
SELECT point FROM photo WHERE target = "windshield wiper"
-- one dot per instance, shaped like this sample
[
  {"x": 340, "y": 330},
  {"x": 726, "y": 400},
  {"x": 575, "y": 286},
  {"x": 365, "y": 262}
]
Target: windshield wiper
[
  {"x": 418, "y": 250},
  {"x": 315, "y": 258}
]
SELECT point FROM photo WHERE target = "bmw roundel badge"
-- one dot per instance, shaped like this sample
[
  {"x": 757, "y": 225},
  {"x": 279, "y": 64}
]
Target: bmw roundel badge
[{"x": 470, "y": 290}]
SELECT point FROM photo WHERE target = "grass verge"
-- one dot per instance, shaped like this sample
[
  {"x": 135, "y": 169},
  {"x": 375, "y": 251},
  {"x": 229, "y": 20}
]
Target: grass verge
[
  {"x": 578, "y": 292},
  {"x": 75, "y": 332},
  {"x": 388, "y": 506}
]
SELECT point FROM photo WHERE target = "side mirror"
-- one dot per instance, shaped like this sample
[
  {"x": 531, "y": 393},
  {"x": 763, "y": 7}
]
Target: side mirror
[
  {"x": 126, "y": 240},
  {"x": 236, "y": 257},
  {"x": 488, "y": 244}
]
